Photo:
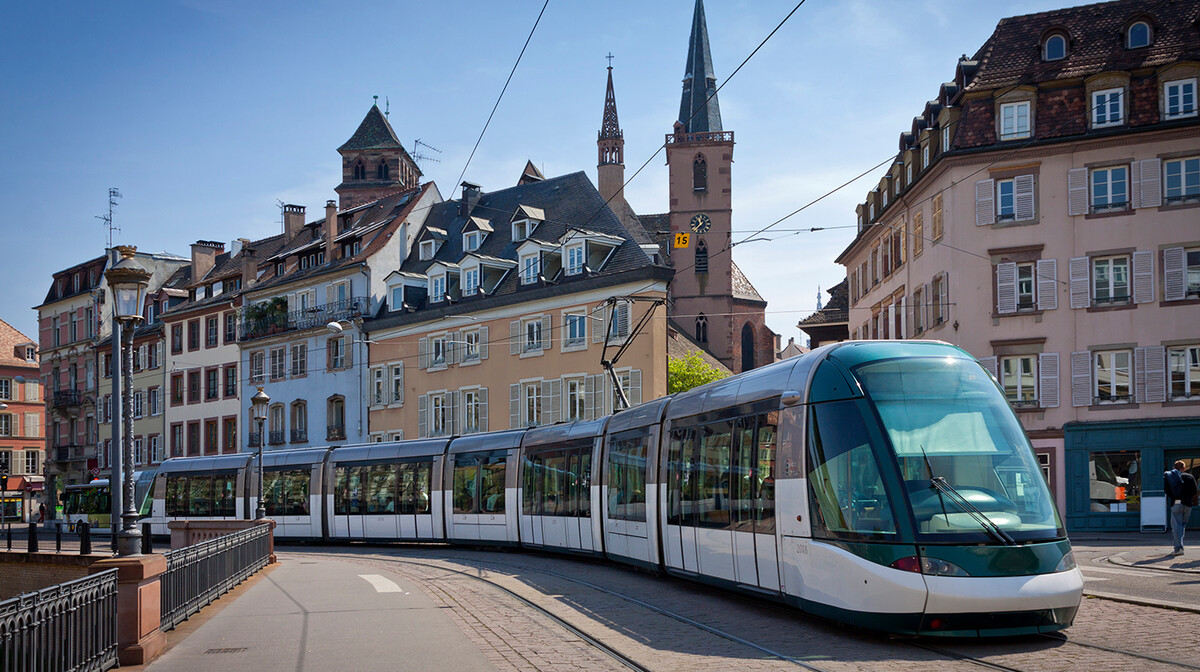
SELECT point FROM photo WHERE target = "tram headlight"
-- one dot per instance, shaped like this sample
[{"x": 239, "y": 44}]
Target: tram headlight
[
  {"x": 931, "y": 566},
  {"x": 1067, "y": 563}
]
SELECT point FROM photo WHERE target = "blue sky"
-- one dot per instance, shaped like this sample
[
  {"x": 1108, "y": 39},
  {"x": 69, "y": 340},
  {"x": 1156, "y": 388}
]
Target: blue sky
[{"x": 205, "y": 114}]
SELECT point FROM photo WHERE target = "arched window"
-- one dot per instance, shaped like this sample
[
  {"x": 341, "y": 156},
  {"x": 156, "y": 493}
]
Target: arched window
[
  {"x": 701, "y": 257},
  {"x": 1054, "y": 48},
  {"x": 335, "y": 419},
  {"x": 381, "y": 171},
  {"x": 747, "y": 347},
  {"x": 1138, "y": 35},
  {"x": 275, "y": 425},
  {"x": 299, "y": 421},
  {"x": 701, "y": 329},
  {"x": 360, "y": 171},
  {"x": 699, "y": 174}
]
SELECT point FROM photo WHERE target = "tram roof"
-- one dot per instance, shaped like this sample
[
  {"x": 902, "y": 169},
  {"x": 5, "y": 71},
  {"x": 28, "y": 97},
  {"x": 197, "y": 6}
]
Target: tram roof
[
  {"x": 642, "y": 415},
  {"x": 852, "y": 353},
  {"x": 389, "y": 450},
  {"x": 214, "y": 462},
  {"x": 762, "y": 383},
  {"x": 285, "y": 458},
  {"x": 566, "y": 431},
  {"x": 488, "y": 441}
]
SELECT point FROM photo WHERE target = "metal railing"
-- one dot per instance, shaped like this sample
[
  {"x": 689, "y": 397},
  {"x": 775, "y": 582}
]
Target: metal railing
[
  {"x": 299, "y": 435},
  {"x": 335, "y": 433},
  {"x": 196, "y": 575},
  {"x": 306, "y": 318},
  {"x": 64, "y": 398},
  {"x": 71, "y": 626},
  {"x": 709, "y": 136},
  {"x": 70, "y": 453},
  {"x": 275, "y": 437},
  {"x": 254, "y": 440}
]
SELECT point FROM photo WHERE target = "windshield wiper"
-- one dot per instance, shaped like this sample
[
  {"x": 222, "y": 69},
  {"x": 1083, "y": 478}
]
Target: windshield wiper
[{"x": 939, "y": 483}]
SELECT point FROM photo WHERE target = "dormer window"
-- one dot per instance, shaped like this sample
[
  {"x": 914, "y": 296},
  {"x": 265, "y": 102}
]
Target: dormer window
[
  {"x": 871, "y": 211},
  {"x": 520, "y": 230},
  {"x": 470, "y": 281},
  {"x": 885, "y": 196},
  {"x": 575, "y": 260},
  {"x": 1108, "y": 108},
  {"x": 428, "y": 249},
  {"x": 471, "y": 241},
  {"x": 945, "y": 138},
  {"x": 908, "y": 174},
  {"x": 278, "y": 270},
  {"x": 530, "y": 267},
  {"x": 699, "y": 174},
  {"x": 1138, "y": 35},
  {"x": 75, "y": 282},
  {"x": 30, "y": 353},
  {"x": 437, "y": 288},
  {"x": 360, "y": 171},
  {"x": 1054, "y": 48}
]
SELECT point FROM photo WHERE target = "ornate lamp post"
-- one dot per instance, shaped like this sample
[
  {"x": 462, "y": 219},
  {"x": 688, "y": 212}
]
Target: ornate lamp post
[
  {"x": 128, "y": 281},
  {"x": 258, "y": 405}
]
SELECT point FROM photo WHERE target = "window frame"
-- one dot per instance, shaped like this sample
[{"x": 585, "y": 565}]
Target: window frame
[
  {"x": 1111, "y": 299},
  {"x": 1183, "y": 113},
  {"x": 1032, "y": 303},
  {"x": 1104, "y": 108},
  {"x": 1019, "y": 374},
  {"x": 1112, "y": 398},
  {"x": 574, "y": 330},
  {"x": 1110, "y": 205},
  {"x": 1129, "y": 35},
  {"x": 1018, "y": 131},
  {"x": 1184, "y": 194},
  {"x": 1186, "y": 353},
  {"x": 1046, "y": 47}
]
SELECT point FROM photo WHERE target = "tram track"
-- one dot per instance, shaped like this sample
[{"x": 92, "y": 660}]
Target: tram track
[{"x": 1123, "y": 652}]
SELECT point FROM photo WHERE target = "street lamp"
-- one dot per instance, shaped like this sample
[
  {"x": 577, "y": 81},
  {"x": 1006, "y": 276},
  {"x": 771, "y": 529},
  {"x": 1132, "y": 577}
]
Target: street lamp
[{"x": 258, "y": 405}]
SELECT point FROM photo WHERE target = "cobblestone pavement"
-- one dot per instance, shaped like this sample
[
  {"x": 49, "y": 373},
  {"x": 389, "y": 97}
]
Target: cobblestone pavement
[{"x": 754, "y": 635}]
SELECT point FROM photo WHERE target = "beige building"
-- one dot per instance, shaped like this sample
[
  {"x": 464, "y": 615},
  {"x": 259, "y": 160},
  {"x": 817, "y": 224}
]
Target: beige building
[{"x": 1042, "y": 214}]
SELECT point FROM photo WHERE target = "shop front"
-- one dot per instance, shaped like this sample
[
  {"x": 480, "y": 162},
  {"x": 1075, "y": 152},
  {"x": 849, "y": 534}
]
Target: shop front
[{"x": 1111, "y": 464}]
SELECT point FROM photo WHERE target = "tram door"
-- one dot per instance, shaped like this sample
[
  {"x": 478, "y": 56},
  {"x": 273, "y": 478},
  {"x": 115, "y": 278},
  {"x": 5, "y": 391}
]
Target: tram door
[{"x": 752, "y": 500}]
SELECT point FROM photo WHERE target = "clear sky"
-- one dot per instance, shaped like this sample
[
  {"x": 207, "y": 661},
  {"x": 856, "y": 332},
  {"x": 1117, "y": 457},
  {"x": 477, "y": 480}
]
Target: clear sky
[{"x": 207, "y": 113}]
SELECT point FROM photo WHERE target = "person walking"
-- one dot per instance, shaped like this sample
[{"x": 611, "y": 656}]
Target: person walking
[{"x": 1181, "y": 490}]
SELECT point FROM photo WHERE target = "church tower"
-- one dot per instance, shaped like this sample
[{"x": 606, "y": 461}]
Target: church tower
[
  {"x": 610, "y": 143},
  {"x": 708, "y": 290},
  {"x": 374, "y": 163}
]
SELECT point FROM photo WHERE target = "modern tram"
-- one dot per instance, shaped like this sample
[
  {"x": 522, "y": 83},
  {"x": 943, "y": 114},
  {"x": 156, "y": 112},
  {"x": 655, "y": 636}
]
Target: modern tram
[{"x": 885, "y": 484}]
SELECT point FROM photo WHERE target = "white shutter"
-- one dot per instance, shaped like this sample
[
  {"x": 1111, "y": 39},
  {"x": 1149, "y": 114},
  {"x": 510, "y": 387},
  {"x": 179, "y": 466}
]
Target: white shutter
[
  {"x": 514, "y": 406},
  {"x": 910, "y": 308},
  {"x": 514, "y": 337},
  {"x": 985, "y": 207},
  {"x": 1143, "y": 276},
  {"x": 1139, "y": 375},
  {"x": 635, "y": 387},
  {"x": 1047, "y": 286},
  {"x": 1023, "y": 192},
  {"x": 1006, "y": 288},
  {"x": 556, "y": 400},
  {"x": 545, "y": 391},
  {"x": 601, "y": 324},
  {"x": 1156, "y": 374},
  {"x": 451, "y": 413},
  {"x": 483, "y": 409},
  {"x": 1048, "y": 380},
  {"x": 1174, "y": 270},
  {"x": 990, "y": 364},
  {"x": 1077, "y": 191},
  {"x": 945, "y": 316},
  {"x": 1081, "y": 378},
  {"x": 422, "y": 407},
  {"x": 423, "y": 355},
  {"x": 589, "y": 398},
  {"x": 903, "y": 318},
  {"x": 1151, "y": 190},
  {"x": 1081, "y": 291},
  {"x": 452, "y": 347},
  {"x": 547, "y": 340},
  {"x": 927, "y": 306},
  {"x": 1135, "y": 185},
  {"x": 483, "y": 343}
]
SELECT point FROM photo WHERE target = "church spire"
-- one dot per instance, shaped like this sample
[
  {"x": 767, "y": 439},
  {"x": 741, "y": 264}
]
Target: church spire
[
  {"x": 610, "y": 129},
  {"x": 610, "y": 146},
  {"x": 699, "y": 82}
]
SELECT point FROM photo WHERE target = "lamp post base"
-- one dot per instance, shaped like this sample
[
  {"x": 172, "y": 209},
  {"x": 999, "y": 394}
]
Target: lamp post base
[
  {"x": 129, "y": 542},
  {"x": 260, "y": 513}
]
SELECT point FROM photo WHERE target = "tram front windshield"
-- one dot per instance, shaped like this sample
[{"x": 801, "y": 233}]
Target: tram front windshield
[{"x": 948, "y": 422}]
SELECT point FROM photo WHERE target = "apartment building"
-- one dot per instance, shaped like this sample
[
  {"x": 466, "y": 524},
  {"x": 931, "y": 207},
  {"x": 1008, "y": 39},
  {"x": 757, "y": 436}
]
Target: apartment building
[{"x": 22, "y": 435}]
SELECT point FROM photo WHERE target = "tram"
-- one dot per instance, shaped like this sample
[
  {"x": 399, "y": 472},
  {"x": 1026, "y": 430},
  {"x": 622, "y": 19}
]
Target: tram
[
  {"x": 91, "y": 502},
  {"x": 885, "y": 484}
]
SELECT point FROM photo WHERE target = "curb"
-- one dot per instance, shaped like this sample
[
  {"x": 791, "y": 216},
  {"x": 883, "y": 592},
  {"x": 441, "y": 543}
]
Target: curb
[
  {"x": 1114, "y": 597},
  {"x": 1117, "y": 559}
]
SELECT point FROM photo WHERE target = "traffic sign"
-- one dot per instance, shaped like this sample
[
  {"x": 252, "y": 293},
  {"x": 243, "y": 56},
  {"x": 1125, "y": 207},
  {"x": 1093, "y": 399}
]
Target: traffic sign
[{"x": 95, "y": 472}]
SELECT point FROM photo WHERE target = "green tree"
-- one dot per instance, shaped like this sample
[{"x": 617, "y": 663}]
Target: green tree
[{"x": 690, "y": 371}]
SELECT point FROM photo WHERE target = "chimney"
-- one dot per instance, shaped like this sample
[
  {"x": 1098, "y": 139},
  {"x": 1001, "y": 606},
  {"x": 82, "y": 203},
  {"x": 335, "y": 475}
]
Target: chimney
[
  {"x": 470, "y": 196},
  {"x": 330, "y": 229},
  {"x": 293, "y": 221},
  {"x": 204, "y": 257},
  {"x": 249, "y": 264}
]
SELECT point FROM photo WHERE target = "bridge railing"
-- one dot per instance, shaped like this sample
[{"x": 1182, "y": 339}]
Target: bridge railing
[
  {"x": 198, "y": 574},
  {"x": 63, "y": 628}
]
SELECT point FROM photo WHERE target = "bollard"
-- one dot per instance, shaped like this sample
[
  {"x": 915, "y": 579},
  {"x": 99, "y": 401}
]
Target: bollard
[
  {"x": 85, "y": 538},
  {"x": 8, "y": 536},
  {"x": 147, "y": 545},
  {"x": 58, "y": 538},
  {"x": 33, "y": 539}
]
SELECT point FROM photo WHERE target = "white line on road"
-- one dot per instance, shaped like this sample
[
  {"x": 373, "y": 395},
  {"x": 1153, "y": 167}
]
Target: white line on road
[{"x": 381, "y": 584}]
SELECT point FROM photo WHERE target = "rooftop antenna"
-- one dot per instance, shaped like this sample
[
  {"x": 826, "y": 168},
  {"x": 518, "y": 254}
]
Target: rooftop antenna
[
  {"x": 282, "y": 223},
  {"x": 818, "y": 297},
  {"x": 376, "y": 100},
  {"x": 113, "y": 194},
  {"x": 418, "y": 156},
  {"x": 387, "y": 106}
]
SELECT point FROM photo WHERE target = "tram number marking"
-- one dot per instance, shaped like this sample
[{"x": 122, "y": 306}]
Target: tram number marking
[{"x": 682, "y": 240}]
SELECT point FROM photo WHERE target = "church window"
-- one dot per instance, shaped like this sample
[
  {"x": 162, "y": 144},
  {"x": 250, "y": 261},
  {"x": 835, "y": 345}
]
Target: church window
[
  {"x": 702, "y": 257},
  {"x": 701, "y": 328},
  {"x": 747, "y": 347},
  {"x": 360, "y": 171},
  {"x": 381, "y": 171},
  {"x": 699, "y": 174}
]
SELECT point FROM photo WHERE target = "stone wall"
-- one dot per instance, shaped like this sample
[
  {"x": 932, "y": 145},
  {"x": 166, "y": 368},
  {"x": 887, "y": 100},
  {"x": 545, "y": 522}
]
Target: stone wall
[{"x": 22, "y": 572}]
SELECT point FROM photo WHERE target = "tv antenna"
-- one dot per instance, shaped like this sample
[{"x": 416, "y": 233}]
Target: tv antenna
[
  {"x": 282, "y": 222},
  {"x": 113, "y": 195},
  {"x": 387, "y": 106},
  {"x": 418, "y": 156}
]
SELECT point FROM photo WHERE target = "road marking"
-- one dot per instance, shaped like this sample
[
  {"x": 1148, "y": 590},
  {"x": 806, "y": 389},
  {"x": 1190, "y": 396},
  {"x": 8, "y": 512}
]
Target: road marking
[
  {"x": 381, "y": 584},
  {"x": 1124, "y": 572},
  {"x": 1095, "y": 578}
]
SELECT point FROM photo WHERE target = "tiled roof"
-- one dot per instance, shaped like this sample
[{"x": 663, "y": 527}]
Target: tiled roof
[
  {"x": 742, "y": 289},
  {"x": 10, "y": 338},
  {"x": 837, "y": 311},
  {"x": 65, "y": 274},
  {"x": 373, "y": 133},
  {"x": 1012, "y": 55},
  {"x": 680, "y": 344}
]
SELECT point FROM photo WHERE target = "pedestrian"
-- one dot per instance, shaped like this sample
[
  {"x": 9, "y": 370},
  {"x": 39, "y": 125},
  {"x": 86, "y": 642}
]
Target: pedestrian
[
  {"x": 1182, "y": 493},
  {"x": 41, "y": 513}
]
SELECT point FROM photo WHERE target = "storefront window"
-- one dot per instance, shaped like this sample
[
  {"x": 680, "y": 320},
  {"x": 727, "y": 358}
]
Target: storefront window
[{"x": 1116, "y": 481}]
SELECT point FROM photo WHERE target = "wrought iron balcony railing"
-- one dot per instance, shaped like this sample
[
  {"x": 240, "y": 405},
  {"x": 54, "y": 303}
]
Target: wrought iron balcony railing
[
  {"x": 299, "y": 435},
  {"x": 712, "y": 136},
  {"x": 70, "y": 453},
  {"x": 254, "y": 440},
  {"x": 66, "y": 398},
  {"x": 335, "y": 433},
  {"x": 308, "y": 318},
  {"x": 275, "y": 437}
]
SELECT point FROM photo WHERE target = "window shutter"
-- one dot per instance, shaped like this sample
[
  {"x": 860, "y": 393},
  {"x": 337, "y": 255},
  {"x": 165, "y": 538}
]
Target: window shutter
[
  {"x": 1174, "y": 269},
  {"x": 623, "y": 319},
  {"x": 547, "y": 339},
  {"x": 989, "y": 363},
  {"x": 1081, "y": 378},
  {"x": 514, "y": 406},
  {"x": 1151, "y": 190},
  {"x": 1081, "y": 291},
  {"x": 1047, "y": 285},
  {"x": 927, "y": 306},
  {"x": 910, "y": 303},
  {"x": 514, "y": 337},
  {"x": 601, "y": 324},
  {"x": 422, "y": 407},
  {"x": 1006, "y": 288},
  {"x": 1139, "y": 375},
  {"x": 1023, "y": 192},
  {"x": 400, "y": 398},
  {"x": 423, "y": 354},
  {"x": 1135, "y": 185},
  {"x": 985, "y": 207},
  {"x": 589, "y": 398},
  {"x": 452, "y": 413},
  {"x": 328, "y": 356},
  {"x": 1143, "y": 276},
  {"x": 483, "y": 343},
  {"x": 945, "y": 316},
  {"x": 348, "y": 348},
  {"x": 635, "y": 387},
  {"x": 555, "y": 399},
  {"x": 545, "y": 392},
  {"x": 483, "y": 409},
  {"x": 1077, "y": 192},
  {"x": 452, "y": 348},
  {"x": 1156, "y": 374},
  {"x": 1048, "y": 380}
]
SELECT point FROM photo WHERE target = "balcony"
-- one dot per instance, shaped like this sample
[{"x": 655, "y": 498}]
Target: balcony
[
  {"x": 275, "y": 437},
  {"x": 254, "y": 440},
  {"x": 299, "y": 436},
  {"x": 317, "y": 316},
  {"x": 335, "y": 433},
  {"x": 711, "y": 136},
  {"x": 73, "y": 453},
  {"x": 67, "y": 398}
]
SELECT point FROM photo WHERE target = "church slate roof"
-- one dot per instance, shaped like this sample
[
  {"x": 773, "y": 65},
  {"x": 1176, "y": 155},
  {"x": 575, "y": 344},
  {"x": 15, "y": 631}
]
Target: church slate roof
[
  {"x": 373, "y": 133},
  {"x": 837, "y": 311},
  {"x": 699, "y": 82},
  {"x": 742, "y": 289}
]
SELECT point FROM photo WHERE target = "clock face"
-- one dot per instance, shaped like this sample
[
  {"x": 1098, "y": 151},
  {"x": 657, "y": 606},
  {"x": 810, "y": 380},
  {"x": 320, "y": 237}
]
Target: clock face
[{"x": 701, "y": 223}]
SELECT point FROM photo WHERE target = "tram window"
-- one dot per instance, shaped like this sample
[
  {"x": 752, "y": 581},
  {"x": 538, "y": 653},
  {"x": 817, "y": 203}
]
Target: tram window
[
  {"x": 381, "y": 489},
  {"x": 583, "y": 481},
  {"x": 491, "y": 488},
  {"x": 422, "y": 490},
  {"x": 680, "y": 485},
  {"x": 532, "y": 483},
  {"x": 764, "y": 474},
  {"x": 627, "y": 479},
  {"x": 225, "y": 495},
  {"x": 200, "y": 496},
  {"x": 175, "y": 497},
  {"x": 712, "y": 475},
  {"x": 347, "y": 499},
  {"x": 742, "y": 485},
  {"x": 285, "y": 492},
  {"x": 844, "y": 480},
  {"x": 466, "y": 473}
]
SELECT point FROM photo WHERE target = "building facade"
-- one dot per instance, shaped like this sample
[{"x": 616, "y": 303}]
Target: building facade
[
  {"x": 1042, "y": 215},
  {"x": 22, "y": 433}
]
